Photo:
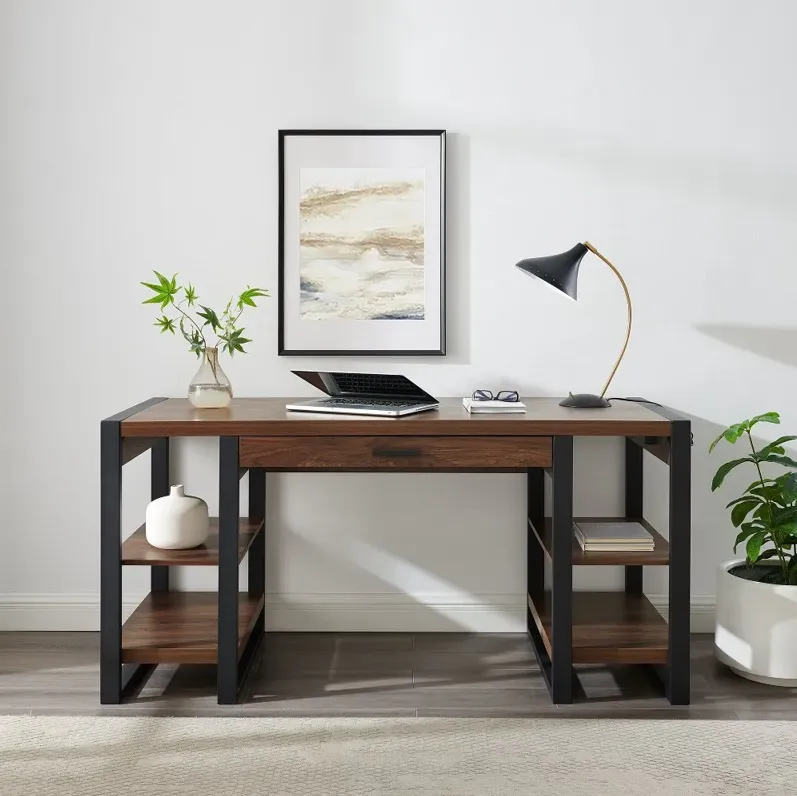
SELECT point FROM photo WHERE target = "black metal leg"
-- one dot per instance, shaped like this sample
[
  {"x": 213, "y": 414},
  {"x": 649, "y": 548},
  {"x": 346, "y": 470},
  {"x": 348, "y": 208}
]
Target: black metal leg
[
  {"x": 634, "y": 580},
  {"x": 678, "y": 685},
  {"x": 535, "y": 555},
  {"x": 634, "y": 479},
  {"x": 257, "y": 511},
  {"x": 562, "y": 572},
  {"x": 110, "y": 562},
  {"x": 257, "y": 552},
  {"x": 159, "y": 576},
  {"x": 229, "y": 513}
]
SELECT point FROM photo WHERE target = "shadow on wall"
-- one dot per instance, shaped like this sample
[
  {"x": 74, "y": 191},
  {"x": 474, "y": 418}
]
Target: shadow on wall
[
  {"x": 777, "y": 343},
  {"x": 447, "y": 606},
  {"x": 404, "y": 596}
]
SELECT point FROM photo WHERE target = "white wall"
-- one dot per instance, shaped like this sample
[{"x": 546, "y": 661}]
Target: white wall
[{"x": 139, "y": 135}]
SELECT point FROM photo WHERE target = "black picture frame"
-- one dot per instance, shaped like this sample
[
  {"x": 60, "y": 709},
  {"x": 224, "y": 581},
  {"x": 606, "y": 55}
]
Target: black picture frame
[{"x": 283, "y": 350}]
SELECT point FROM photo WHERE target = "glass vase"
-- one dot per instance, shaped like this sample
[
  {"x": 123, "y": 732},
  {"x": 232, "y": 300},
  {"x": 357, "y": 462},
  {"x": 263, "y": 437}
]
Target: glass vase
[{"x": 210, "y": 388}]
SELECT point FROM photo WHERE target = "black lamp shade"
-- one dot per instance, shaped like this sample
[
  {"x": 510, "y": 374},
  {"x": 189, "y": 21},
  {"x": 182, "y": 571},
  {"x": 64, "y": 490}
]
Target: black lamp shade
[{"x": 559, "y": 271}]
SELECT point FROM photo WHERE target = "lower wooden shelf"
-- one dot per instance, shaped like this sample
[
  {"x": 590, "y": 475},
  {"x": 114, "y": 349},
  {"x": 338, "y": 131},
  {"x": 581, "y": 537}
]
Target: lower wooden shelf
[
  {"x": 659, "y": 556},
  {"x": 609, "y": 627},
  {"x": 181, "y": 627}
]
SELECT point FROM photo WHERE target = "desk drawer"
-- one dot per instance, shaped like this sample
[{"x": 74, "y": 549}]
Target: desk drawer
[{"x": 399, "y": 452}]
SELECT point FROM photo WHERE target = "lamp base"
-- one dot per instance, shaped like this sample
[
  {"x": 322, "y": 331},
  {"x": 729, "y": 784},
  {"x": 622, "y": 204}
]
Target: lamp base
[{"x": 585, "y": 401}]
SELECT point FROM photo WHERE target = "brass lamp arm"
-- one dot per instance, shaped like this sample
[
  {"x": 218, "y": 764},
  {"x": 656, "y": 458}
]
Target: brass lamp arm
[{"x": 628, "y": 301}]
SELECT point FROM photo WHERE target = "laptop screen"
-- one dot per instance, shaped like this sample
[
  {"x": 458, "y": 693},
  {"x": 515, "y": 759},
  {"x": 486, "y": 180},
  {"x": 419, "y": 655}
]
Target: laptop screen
[
  {"x": 376, "y": 384},
  {"x": 373, "y": 385}
]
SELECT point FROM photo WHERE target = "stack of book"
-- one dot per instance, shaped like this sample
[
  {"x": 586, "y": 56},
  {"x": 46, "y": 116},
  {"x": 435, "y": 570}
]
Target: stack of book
[{"x": 613, "y": 537}]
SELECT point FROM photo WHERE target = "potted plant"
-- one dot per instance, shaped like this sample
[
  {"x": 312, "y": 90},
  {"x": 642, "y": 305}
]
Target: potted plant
[
  {"x": 756, "y": 626},
  {"x": 210, "y": 387}
]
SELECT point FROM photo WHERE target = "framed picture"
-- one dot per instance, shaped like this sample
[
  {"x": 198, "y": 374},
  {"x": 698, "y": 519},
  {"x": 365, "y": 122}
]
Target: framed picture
[{"x": 362, "y": 242}]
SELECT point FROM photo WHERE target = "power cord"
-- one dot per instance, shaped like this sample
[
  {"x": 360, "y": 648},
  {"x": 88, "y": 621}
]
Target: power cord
[{"x": 634, "y": 401}]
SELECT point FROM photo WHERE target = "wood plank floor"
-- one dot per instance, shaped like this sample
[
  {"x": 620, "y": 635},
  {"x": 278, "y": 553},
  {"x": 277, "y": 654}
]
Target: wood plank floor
[{"x": 373, "y": 675}]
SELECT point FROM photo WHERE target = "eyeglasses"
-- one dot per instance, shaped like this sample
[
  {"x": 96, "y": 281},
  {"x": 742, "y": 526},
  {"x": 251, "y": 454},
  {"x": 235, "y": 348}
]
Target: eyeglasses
[{"x": 509, "y": 396}]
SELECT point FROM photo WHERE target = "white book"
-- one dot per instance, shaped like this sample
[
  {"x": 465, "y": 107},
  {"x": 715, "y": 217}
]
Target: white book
[
  {"x": 629, "y": 544},
  {"x": 616, "y": 548},
  {"x": 612, "y": 533},
  {"x": 493, "y": 407},
  {"x": 605, "y": 538}
]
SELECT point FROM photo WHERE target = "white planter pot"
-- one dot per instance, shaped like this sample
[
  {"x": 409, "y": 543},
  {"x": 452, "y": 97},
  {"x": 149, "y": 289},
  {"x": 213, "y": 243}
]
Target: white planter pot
[
  {"x": 756, "y": 630},
  {"x": 177, "y": 521}
]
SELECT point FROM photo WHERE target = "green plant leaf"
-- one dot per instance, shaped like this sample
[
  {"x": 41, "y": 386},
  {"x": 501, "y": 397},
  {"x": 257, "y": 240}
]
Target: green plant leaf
[
  {"x": 744, "y": 499},
  {"x": 786, "y": 461},
  {"x": 764, "y": 514},
  {"x": 731, "y": 434},
  {"x": 190, "y": 295},
  {"x": 165, "y": 291},
  {"x": 741, "y": 510},
  {"x": 770, "y": 449},
  {"x": 769, "y": 492},
  {"x": 235, "y": 341},
  {"x": 249, "y": 295},
  {"x": 724, "y": 470},
  {"x": 778, "y": 443},
  {"x": 754, "y": 546},
  {"x": 787, "y": 483},
  {"x": 782, "y": 516},
  {"x": 784, "y": 532},
  {"x": 767, "y": 417},
  {"x": 771, "y": 553},
  {"x": 165, "y": 283},
  {"x": 210, "y": 317},
  {"x": 197, "y": 344},
  {"x": 792, "y": 565},
  {"x": 166, "y": 324},
  {"x": 758, "y": 482},
  {"x": 748, "y": 529}
]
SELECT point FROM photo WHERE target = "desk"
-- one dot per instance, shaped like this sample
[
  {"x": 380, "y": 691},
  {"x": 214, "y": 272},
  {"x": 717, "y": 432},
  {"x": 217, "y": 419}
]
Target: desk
[{"x": 257, "y": 435}]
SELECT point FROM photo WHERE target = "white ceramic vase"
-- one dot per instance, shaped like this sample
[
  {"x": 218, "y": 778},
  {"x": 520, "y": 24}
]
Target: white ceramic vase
[
  {"x": 756, "y": 631},
  {"x": 177, "y": 521}
]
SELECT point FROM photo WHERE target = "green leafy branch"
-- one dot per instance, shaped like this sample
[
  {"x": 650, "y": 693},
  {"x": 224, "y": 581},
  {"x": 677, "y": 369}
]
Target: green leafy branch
[
  {"x": 766, "y": 513},
  {"x": 195, "y": 328}
]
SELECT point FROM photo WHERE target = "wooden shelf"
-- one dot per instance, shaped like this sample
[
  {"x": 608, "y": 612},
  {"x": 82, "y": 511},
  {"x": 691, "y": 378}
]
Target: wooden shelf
[
  {"x": 182, "y": 627},
  {"x": 136, "y": 549},
  {"x": 659, "y": 556},
  {"x": 609, "y": 627}
]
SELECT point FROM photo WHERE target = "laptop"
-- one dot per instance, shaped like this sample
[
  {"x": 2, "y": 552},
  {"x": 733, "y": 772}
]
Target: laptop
[{"x": 364, "y": 394}]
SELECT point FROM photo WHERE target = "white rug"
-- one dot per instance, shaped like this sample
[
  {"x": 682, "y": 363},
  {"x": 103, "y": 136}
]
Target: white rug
[{"x": 40, "y": 756}]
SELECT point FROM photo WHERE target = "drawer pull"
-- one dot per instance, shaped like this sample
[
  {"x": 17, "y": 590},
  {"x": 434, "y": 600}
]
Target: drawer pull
[{"x": 398, "y": 452}]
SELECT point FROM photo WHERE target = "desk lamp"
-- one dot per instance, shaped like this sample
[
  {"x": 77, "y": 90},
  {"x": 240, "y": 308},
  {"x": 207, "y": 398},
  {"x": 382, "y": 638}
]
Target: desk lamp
[{"x": 560, "y": 271}]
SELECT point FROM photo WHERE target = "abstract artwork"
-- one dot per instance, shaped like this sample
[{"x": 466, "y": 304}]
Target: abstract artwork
[
  {"x": 361, "y": 246},
  {"x": 362, "y": 233}
]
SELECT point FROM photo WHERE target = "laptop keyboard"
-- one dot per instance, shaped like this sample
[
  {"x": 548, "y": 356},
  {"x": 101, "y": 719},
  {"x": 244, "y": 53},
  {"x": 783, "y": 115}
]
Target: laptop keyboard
[{"x": 387, "y": 402}]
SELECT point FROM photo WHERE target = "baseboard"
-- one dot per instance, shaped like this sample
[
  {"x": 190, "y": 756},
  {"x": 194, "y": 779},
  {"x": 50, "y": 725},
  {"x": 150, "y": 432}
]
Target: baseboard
[
  {"x": 52, "y": 612},
  {"x": 419, "y": 613},
  {"x": 702, "y": 609}
]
